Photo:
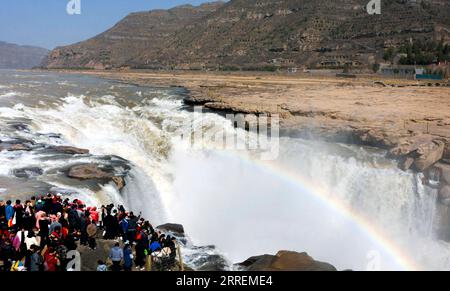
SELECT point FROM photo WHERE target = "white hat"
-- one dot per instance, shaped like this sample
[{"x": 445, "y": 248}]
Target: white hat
[{"x": 59, "y": 194}]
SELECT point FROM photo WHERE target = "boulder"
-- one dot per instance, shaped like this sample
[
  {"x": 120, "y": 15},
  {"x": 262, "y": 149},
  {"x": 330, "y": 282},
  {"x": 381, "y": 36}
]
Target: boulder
[
  {"x": 69, "y": 150},
  {"x": 428, "y": 155},
  {"x": 285, "y": 261},
  {"x": 176, "y": 229},
  {"x": 444, "y": 195},
  {"x": 28, "y": 172},
  {"x": 410, "y": 145},
  {"x": 88, "y": 172}
]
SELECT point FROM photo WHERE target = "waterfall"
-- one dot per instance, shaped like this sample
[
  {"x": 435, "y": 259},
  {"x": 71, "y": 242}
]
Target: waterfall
[{"x": 230, "y": 198}]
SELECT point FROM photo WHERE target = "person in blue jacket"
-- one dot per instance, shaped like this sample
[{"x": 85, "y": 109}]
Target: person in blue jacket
[
  {"x": 9, "y": 210},
  {"x": 127, "y": 257},
  {"x": 154, "y": 246}
]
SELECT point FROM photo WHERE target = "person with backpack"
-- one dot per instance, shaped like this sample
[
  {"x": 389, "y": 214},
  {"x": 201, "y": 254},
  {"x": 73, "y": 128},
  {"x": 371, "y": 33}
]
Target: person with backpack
[{"x": 132, "y": 227}]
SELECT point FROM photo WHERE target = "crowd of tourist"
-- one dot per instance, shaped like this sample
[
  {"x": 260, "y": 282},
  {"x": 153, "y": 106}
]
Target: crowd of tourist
[{"x": 37, "y": 235}]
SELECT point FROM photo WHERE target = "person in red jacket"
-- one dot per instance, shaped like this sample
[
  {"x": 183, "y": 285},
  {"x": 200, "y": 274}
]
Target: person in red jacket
[
  {"x": 94, "y": 215},
  {"x": 51, "y": 261}
]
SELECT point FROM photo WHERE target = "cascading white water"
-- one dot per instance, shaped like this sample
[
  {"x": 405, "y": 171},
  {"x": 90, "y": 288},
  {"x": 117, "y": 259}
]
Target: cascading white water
[{"x": 243, "y": 206}]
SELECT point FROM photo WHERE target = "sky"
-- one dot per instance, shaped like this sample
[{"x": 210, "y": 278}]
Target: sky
[{"x": 47, "y": 24}]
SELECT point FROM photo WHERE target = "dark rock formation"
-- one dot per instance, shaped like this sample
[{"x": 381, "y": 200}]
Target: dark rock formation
[
  {"x": 176, "y": 229},
  {"x": 285, "y": 261},
  {"x": 13, "y": 56},
  {"x": 69, "y": 150},
  {"x": 88, "y": 172},
  {"x": 258, "y": 35},
  {"x": 100, "y": 173},
  {"x": 28, "y": 172}
]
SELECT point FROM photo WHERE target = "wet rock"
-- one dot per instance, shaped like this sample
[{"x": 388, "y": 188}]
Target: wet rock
[
  {"x": 16, "y": 144},
  {"x": 256, "y": 263},
  {"x": 88, "y": 172},
  {"x": 405, "y": 163},
  {"x": 99, "y": 173},
  {"x": 428, "y": 155},
  {"x": 409, "y": 145},
  {"x": 444, "y": 195},
  {"x": 119, "y": 181},
  {"x": 444, "y": 172},
  {"x": 51, "y": 135},
  {"x": 19, "y": 126},
  {"x": 69, "y": 150},
  {"x": 19, "y": 147},
  {"x": 447, "y": 151},
  {"x": 206, "y": 258},
  {"x": 285, "y": 261},
  {"x": 176, "y": 229},
  {"x": 28, "y": 172},
  {"x": 212, "y": 263}
]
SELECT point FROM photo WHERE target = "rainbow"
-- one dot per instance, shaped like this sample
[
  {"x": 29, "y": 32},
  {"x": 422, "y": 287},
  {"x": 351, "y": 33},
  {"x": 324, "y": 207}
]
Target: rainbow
[{"x": 372, "y": 231}]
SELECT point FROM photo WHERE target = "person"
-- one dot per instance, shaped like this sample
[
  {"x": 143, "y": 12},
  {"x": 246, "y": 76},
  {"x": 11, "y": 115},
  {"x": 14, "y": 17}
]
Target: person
[
  {"x": 132, "y": 227},
  {"x": 141, "y": 248},
  {"x": 43, "y": 223},
  {"x": 36, "y": 262},
  {"x": 124, "y": 228},
  {"x": 83, "y": 229},
  {"x": 74, "y": 219},
  {"x": 116, "y": 256},
  {"x": 54, "y": 223},
  {"x": 101, "y": 266},
  {"x": 91, "y": 230},
  {"x": 19, "y": 213},
  {"x": 51, "y": 260},
  {"x": 127, "y": 257},
  {"x": 94, "y": 215},
  {"x": 172, "y": 245},
  {"x": 154, "y": 246},
  {"x": 29, "y": 219},
  {"x": 9, "y": 211},
  {"x": 110, "y": 223},
  {"x": 55, "y": 237},
  {"x": 15, "y": 240},
  {"x": 2, "y": 212},
  {"x": 7, "y": 254},
  {"x": 32, "y": 239}
]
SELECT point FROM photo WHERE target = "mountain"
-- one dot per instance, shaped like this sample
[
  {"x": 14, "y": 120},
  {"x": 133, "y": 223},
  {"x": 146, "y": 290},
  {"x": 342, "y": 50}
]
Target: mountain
[
  {"x": 14, "y": 56},
  {"x": 259, "y": 35}
]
